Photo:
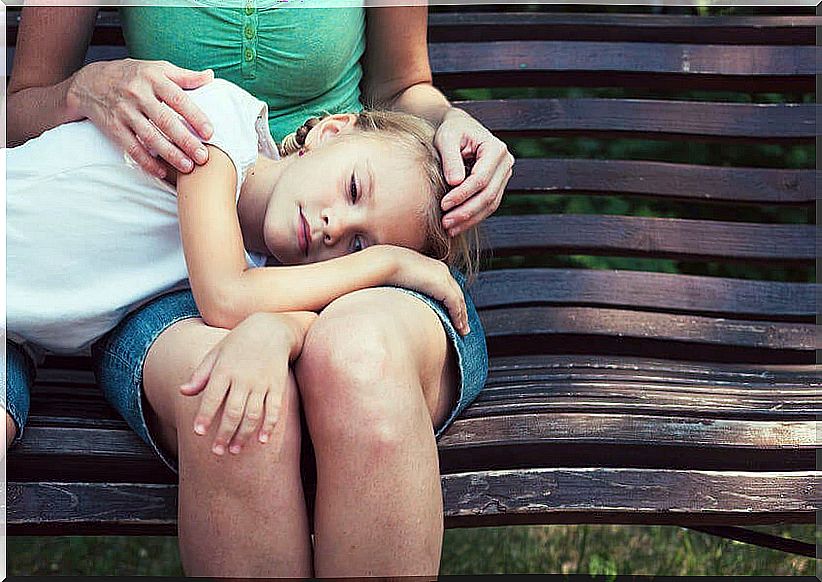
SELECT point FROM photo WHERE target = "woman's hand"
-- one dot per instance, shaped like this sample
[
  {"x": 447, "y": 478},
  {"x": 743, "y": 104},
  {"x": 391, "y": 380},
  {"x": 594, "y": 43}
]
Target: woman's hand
[
  {"x": 134, "y": 103},
  {"x": 478, "y": 195},
  {"x": 246, "y": 373},
  {"x": 414, "y": 270}
]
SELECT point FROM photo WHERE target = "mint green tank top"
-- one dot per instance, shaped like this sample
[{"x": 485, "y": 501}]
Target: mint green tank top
[{"x": 302, "y": 61}]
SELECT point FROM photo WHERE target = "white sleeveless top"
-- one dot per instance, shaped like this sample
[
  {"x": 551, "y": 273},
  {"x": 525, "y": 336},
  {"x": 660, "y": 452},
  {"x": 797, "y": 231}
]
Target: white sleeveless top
[{"x": 91, "y": 237}]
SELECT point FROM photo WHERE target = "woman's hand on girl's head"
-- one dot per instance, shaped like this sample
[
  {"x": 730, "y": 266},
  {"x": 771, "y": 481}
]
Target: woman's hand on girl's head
[
  {"x": 246, "y": 375},
  {"x": 477, "y": 196},
  {"x": 134, "y": 103}
]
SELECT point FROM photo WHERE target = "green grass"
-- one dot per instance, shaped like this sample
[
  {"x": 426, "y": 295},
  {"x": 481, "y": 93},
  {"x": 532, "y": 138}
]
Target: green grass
[{"x": 557, "y": 549}]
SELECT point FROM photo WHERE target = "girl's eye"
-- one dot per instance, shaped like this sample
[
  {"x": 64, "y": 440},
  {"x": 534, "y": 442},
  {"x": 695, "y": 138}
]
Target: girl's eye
[
  {"x": 353, "y": 189},
  {"x": 358, "y": 245}
]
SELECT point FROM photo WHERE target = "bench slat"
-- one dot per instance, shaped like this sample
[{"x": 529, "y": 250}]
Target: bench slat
[
  {"x": 633, "y": 236},
  {"x": 664, "y": 180},
  {"x": 646, "y": 118},
  {"x": 560, "y": 495},
  {"x": 654, "y": 65},
  {"x": 622, "y": 325},
  {"x": 647, "y": 290},
  {"x": 483, "y": 27}
]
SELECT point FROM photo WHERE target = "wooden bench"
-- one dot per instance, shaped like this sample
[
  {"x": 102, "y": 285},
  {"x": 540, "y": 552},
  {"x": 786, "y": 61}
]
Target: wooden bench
[{"x": 614, "y": 396}]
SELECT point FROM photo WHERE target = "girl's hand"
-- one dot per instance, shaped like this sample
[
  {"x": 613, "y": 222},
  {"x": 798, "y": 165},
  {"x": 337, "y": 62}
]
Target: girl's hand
[
  {"x": 477, "y": 196},
  {"x": 414, "y": 270},
  {"x": 246, "y": 373},
  {"x": 134, "y": 103}
]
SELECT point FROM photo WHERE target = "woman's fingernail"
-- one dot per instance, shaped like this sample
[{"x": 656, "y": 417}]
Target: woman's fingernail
[
  {"x": 448, "y": 222},
  {"x": 264, "y": 437},
  {"x": 199, "y": 429},
  {"x": 208, "y": 129},
  {"x": 219, "y": 449},
  {"x": 201, "y": 155},
  {"x": 235, "y": 449},
  {"x": 187, "y": 165}
]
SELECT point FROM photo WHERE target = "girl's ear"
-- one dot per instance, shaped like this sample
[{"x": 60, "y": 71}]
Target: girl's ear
[{"x": 329, "y": 128}]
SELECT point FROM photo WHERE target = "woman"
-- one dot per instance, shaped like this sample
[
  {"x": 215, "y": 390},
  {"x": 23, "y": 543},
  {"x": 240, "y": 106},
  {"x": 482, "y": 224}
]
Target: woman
[{"x": 372, "y": 405}]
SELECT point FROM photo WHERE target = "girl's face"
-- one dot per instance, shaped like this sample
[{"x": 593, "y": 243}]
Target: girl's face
[{"x": 343, "y": 195}]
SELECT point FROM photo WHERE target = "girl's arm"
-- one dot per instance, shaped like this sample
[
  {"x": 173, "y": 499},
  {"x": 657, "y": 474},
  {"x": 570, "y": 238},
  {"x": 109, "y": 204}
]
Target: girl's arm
[{"x": 227, "y": 291}]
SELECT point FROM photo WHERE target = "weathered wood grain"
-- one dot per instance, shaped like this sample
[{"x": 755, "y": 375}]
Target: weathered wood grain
[
  {"x": 645, "y": 118},
  {"x": 663, "y": 180},
  {"x": 589, "y": 321},
  {"x": 621, "y": 496},
  {"x": 735, "y": 298},
  {"x": 675, "y": 238}
]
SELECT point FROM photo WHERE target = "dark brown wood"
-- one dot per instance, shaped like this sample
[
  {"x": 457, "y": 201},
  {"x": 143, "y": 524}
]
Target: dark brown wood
[
  {"x": 570, "y": 495},
  {"x": 484, "y": 27},
  {"x": 633, "y": 236},
  {"x": 663, "y": 180},
  {"x": 645, "y": 118},
  {"x": 646, "y": 290},
  {"x": 649, "y": 58},
  {"x": 627, "y": 496},
  {"x": 759, "y": 538},
  {"x": 589, "y": 321}
]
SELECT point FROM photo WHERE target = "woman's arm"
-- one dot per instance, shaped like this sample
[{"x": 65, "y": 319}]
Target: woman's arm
[
  {"x": 132, "y": 102},
  {"x": 227, "y": 291},
  {"x": 51, "y": 44},
  {"x": 397, "y": 74}
]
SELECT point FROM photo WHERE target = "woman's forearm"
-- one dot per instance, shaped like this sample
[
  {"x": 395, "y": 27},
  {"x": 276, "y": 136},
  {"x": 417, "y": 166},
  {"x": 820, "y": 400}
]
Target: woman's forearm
[
  {"x": 33, "y": 110},
  {"x": 423, "y": 100}
]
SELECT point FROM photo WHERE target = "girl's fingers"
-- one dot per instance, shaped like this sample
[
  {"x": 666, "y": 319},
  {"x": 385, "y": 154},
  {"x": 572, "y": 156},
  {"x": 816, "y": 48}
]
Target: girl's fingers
[
  {"x": 232, "y": 416},
  {"x": 251, "y": 420},
  {"x": 212, "y": 399},
  {"x": 273, "y": 405},
  {"x": 199, "y": 378}
]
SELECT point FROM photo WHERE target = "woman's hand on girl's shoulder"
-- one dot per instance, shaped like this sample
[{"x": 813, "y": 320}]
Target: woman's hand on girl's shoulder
[
  {"x": 246, "y": 374},
  {"x": 135, "y": 103},
  {"x": 416, "y": 271}
]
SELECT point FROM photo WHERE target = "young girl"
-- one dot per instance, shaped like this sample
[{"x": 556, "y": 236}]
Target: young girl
[{"x": 343, "y": 204}]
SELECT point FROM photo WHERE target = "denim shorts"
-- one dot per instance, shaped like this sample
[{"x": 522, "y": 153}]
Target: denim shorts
[
  {"x": 119, "y": 358},
  {"x": 17, "y": 387}
]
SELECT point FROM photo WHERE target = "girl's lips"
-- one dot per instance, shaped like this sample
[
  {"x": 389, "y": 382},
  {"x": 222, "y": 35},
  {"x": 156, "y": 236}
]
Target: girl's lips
[{"x": 304, "y": 234}]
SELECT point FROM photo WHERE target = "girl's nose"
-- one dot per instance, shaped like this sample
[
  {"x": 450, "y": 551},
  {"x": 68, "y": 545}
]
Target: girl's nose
[{"x": 333, "y": 227}]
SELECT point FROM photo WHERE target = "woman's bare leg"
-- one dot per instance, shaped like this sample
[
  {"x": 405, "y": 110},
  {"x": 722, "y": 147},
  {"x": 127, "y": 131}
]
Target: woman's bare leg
[
  {"x": 374, "y": 373},
  {"x": 239, "y": 516}
]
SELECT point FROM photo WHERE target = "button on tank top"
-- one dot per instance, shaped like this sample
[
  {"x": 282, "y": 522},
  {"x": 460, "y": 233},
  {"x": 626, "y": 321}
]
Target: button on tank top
[{"x": 303, "y": 62}]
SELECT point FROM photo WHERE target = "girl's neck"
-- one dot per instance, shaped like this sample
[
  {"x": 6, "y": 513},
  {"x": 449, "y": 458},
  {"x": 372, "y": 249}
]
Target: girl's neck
[{"x": 255, "y": 194}]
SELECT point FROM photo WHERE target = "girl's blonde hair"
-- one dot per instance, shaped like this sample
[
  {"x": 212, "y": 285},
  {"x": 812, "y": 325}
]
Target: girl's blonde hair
[{"x": 417, "y": 136}]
